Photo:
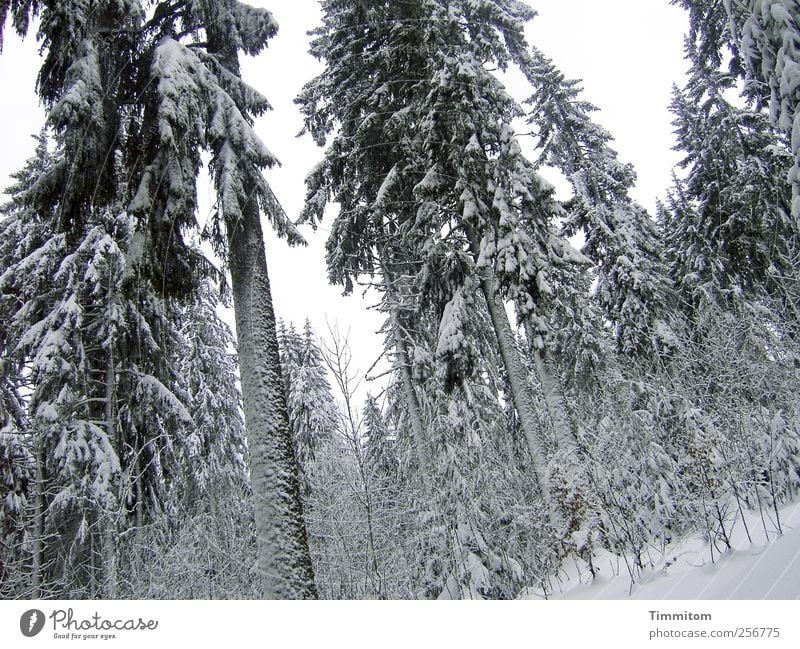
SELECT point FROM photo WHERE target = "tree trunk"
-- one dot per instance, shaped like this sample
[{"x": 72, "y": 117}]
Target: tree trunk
[
  {"x": 404, "y": 366},
  {"x": 109, "y": 535},
  {"x": 138, "y": 484},
  {"x": 38, "y": 527},
  {"x": 554, "y": 400},
  {"x": 517, "y": 379},
  {"x": 93, "y": 567},
  {"x": 110, "y": 561},
  {"x": 283, "y": 558}
]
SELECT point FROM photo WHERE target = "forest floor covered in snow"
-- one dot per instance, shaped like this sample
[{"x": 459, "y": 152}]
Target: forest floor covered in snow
[{"x": 766, "y": 567}]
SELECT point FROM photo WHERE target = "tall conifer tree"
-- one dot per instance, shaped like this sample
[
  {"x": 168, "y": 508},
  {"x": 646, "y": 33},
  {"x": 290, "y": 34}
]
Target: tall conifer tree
[{"x": 135, "y": 100}]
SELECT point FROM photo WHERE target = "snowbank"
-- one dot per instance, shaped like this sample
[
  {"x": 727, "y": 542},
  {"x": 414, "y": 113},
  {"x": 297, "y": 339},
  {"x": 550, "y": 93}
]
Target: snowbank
[{"x": 766, "y": 568}]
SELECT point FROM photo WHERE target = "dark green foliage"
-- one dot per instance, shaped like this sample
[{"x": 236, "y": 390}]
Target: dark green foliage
[{"x": 729, "y": 225}]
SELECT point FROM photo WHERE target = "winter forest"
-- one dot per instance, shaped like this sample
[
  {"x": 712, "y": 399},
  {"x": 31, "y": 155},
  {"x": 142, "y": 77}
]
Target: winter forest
[{"x": 560, "y": 376}]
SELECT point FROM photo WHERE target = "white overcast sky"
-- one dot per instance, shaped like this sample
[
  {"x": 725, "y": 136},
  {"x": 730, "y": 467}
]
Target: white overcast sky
[{"x": 628, "y": 53}]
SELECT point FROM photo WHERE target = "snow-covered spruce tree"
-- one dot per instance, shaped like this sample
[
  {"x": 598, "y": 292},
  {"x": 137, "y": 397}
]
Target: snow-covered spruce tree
[
  {"x": 79, "y": 469},
  {"x": 730, "y": 233},
  {"x": 365, "y": 241},
  {"x": 424, "y": 141},
  {"x": 207, "y": 78},
  {"x": 620, "y": 238},
  {"x": 75, "y": 462},
  {"x": 17, "y": 484},
  {"x": 84, "y": 46},
  {"x": 486, "y": 191},
  {"x": 380, "y": 447},
  {"x": 102, "y": 353},
  {"x": 144, "y": 97},
  {"x": 105, "y": 425},
  {"x": 730, "y": 245},
  {"x": 415, "y": 182},
  {"x": 19, "y": 497},
  {"x": 631, "y": 290},
  {"x": 760, "y": 41},
  {"x": 312, "y": 412},
  {"x": 217, "y": 446},
  {"x": 211, "y": 550}
]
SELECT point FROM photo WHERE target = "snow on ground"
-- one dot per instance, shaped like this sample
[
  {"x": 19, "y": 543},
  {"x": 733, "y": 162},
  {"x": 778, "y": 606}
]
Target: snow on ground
[{"x": 763, "y": 569}]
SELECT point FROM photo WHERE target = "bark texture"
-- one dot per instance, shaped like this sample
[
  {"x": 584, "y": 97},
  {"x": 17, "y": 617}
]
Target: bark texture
[
  {"x": 283, "y": 558},
  {"x": 407, "y": 380},
  {"x": 518, "y": 382},
  {"x": 555, "y": 402}
]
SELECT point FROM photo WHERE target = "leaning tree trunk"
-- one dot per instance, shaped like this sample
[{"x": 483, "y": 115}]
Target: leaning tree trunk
[
  {"x": 563, "y": 429},
  {"x": 284, "y": 561},
  {"x": 518, "y": 382},
  {"x": 517, "y": 379}
]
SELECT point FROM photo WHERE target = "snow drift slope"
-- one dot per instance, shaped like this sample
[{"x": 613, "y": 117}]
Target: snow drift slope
[{"x": 761, "y": 569}]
